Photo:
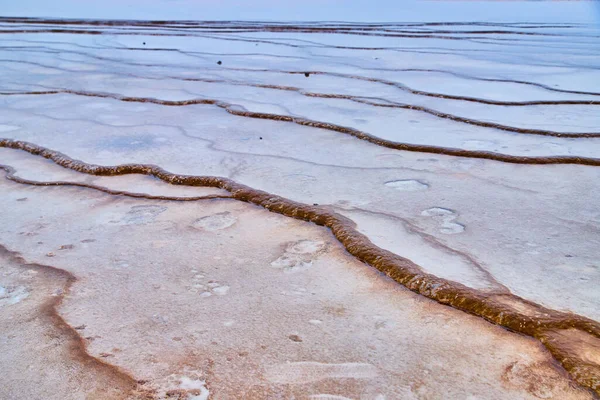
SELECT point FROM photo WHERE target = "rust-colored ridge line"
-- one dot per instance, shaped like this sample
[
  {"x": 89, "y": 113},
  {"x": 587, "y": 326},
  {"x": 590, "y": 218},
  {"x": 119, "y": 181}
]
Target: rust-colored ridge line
[
  {"x": 167, "y": 31},
  {"x": 254, "y": 23},
  {"x": 356, "y": 77},
  {"x": 408, "y": 106},
  {"x": 453, "y": 73},
  {"x": 420, "y": 148},
  {"x": 129, "y": 32},
  {"x": 358, "y": 99},
  {"x": 460, "y": 75},
  {"x": 397, "y": 85},
  {"x": 432, "y": 241},
  {"x": 275, "y": 27},
  {"x": 507, "y": 310},
  {"x": 236, "y": 110},
  {"x": 442, "y": 71},
  {"x": 77, "y": 345},
  {"x": 11, "y": 176},
  {"x": 464, "y": 98},
  {"x": 436, "y": 113},
  {"x": 349, "y": 76}
]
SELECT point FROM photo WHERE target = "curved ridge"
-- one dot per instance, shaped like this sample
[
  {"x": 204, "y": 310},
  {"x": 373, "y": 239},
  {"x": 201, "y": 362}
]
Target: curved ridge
[
  {"x": 349, "y": 76},
  {"x": 359, "y": 99},
  {"x": 507, "y": 310},
  {"x": 11, "y": 176},
  {"x": 387, "y": 82},
  {"x": 420, "y": 148},
  {"x": 272, "y": 27},
  {"x": 412, "y": 91}
]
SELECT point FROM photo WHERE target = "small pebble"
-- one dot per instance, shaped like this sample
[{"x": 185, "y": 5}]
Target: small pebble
[
  {"x": 219, "y": 62},
  {"x": 295, "y": 338},
  {"x": 306, "y": 74}
]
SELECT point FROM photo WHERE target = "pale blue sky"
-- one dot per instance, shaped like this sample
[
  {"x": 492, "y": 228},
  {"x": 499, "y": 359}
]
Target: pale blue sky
[{"x": 309, "y": 10}]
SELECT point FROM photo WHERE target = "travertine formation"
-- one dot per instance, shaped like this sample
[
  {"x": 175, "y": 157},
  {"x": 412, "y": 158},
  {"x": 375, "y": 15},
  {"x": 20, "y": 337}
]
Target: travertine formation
[{"x": 186, "y": 286}]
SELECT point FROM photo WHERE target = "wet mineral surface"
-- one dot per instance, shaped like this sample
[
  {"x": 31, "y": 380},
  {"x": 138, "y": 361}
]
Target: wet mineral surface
[{"x": 320, "y": 214}]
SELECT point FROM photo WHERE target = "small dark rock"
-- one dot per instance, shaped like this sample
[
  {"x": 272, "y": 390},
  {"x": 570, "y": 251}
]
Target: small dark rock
[
  {"x": 315, "y": 204},
  {"x": 295, "y": 338},
  {"x": 260, "y": 137},
  {"x": 219, "y": 62},
  {"x": 144, "y": 43},
  {"x": 568, "y": 255},
  {"x": 307, "y": 74}
]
